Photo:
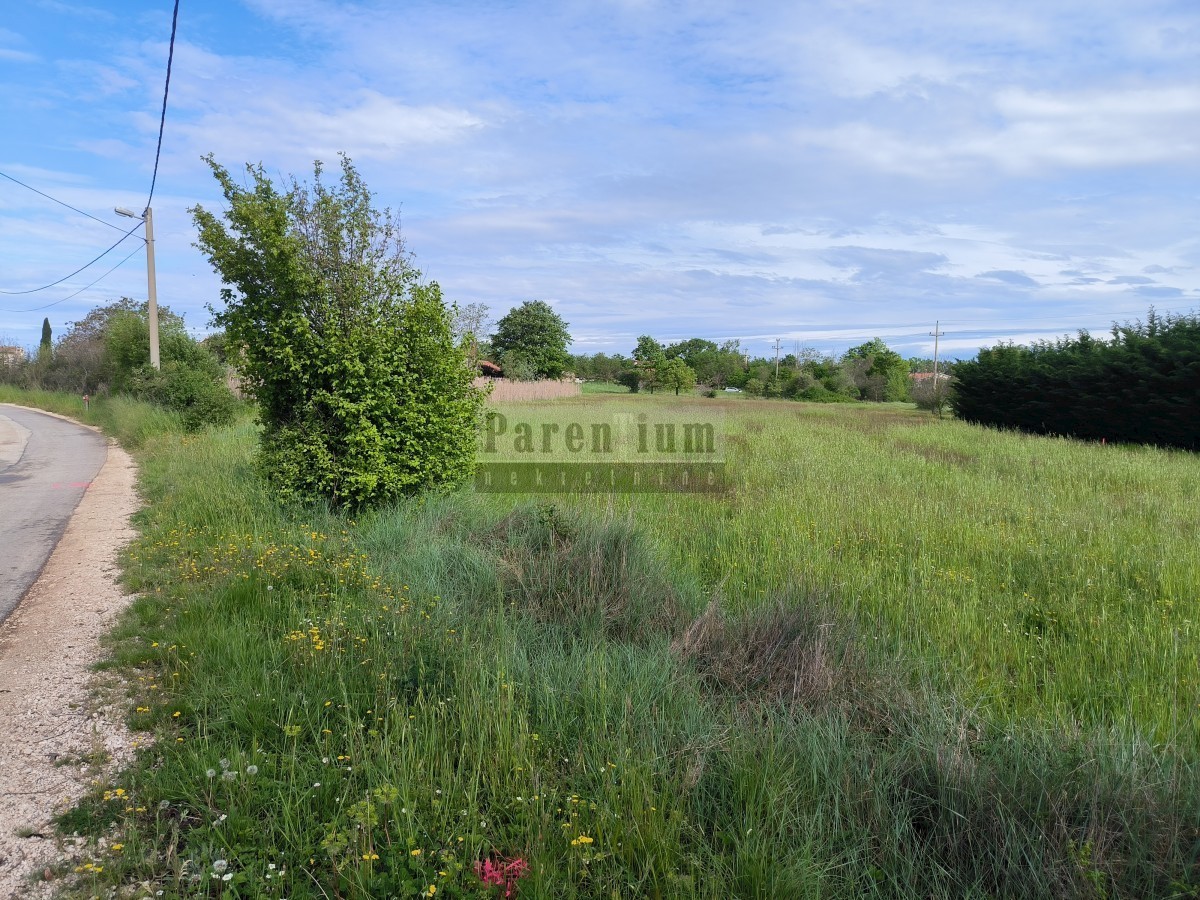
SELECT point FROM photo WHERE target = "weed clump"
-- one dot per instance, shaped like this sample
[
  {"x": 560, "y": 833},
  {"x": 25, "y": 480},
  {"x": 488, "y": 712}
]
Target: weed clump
[
  {"x": 792, "y": 650},
  {"x": 596, "y": 576}
]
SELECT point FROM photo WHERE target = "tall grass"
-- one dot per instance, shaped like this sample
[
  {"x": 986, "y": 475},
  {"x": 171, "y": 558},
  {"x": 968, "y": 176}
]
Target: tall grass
[
  {"x": 372, "y": 708},
  {"x": 1041, "y": 578},
  {"x": 129, "y": 421}
]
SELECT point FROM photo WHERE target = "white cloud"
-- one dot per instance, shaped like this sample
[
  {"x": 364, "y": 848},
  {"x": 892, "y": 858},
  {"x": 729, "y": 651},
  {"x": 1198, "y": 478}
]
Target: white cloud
[
  {"x": 368, "y": 125},
  {"x": 11, "y": 55}
]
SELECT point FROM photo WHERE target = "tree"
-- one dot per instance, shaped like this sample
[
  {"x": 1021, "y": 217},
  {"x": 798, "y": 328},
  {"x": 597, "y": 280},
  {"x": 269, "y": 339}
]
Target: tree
[
  {"x": 468, "y": 325},
  {"x": 648, "y": 359},
  {"x": 1138, "y": 387},
  {"x": 538, "y": 333},
  {"x": 362, "y": 392},
  {"x": 517, "y": 366},
  {"x": 82, "y": 361},
  {"x": 677, "y": 374},
  {"x": 47, "y": 344},
  {"x": 882, "y": 373}
]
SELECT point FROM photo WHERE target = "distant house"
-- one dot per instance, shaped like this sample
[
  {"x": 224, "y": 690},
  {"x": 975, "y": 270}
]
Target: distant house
[
  {"x": 489, "y": 369},
  {"x": 928, "y": 376},
  {"x": 11, "y": 356}
]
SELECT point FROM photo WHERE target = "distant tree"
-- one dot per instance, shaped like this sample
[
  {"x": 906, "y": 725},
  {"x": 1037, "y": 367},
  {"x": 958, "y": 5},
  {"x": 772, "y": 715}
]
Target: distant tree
[
  {"x": 728, "y": 368},
  {"x": 517, "y": 366},
  {"x": 468, "y": 324},
  {"x": 47, "y": 344},
  {"x": 920, "y": 364},
  {"x": 538, "y": 333},
  {"x": 675, "y": 373},
  {"x": 649, "y": 358},
  {"x": 884, "y": 375},
  {"x": 631, "y": 378},
  {"x": 648, "y": 350},
  {"x": 934, "y": 397},
  {"x": 362, "y": 391},
  {"x": 82, "y": 363},
  {"x": 702, "y": 356}
]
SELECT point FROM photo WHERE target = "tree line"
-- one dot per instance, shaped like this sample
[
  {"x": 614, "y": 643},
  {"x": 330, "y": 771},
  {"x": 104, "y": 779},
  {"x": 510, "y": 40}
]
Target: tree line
[
  {"x": 531, "y": 342},
  {"x": 1140, "y": 386},
  {"x": 108, "y": 352},
  {"x": 870, "y": 371}
]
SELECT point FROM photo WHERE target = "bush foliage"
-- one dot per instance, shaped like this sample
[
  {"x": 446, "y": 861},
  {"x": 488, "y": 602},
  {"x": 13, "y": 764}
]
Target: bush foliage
[
  {"x": 1143, "y": 386},
  {"x": 362, "y": 392},
  {"x": 108, "y": 352}
]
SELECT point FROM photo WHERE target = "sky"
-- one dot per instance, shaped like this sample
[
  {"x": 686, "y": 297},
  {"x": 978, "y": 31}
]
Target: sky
[{"x": 817, "y": 171}]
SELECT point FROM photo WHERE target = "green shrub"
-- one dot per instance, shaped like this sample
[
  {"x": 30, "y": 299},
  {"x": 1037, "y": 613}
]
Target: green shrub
[
  {"x": 199, "y": 398},
  {"x": 362, "y": 391}
]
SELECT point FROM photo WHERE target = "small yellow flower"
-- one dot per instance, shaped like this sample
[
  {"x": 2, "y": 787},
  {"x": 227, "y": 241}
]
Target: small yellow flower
[
  {"x": 416, "y": 852},
  {"x": 370, "y": 856},
  {"x": 118, "y": 847}
]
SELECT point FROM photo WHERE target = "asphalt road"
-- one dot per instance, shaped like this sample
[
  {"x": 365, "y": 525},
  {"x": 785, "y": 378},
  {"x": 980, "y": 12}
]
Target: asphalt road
[{"x": 45, "y": 466}]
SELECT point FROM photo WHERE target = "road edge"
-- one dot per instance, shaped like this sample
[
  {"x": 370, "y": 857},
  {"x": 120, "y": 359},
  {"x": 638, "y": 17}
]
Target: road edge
[{"x": 54, "y": 708}]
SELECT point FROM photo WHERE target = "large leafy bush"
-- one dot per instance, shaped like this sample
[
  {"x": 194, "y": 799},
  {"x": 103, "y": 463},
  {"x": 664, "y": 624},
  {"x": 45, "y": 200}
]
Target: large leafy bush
[{"x": 362, "y": 391}]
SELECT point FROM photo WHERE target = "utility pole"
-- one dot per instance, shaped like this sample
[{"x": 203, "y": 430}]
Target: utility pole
[
  {"x": 152, "y": 289},
  {"x": 937, "y": 333},
  {"x": 151, "y": 285},
  {"x": 777, "y": 359}
]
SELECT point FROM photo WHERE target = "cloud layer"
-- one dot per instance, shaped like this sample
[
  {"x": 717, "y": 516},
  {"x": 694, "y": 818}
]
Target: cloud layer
[{"x": 817, "y": 171}]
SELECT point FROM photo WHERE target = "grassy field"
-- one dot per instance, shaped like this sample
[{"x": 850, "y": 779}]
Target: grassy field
[
  {"x": 1038, "y": 577},
  {"x": 603, "y": 387},
  {"x": 902, "y": 658}
]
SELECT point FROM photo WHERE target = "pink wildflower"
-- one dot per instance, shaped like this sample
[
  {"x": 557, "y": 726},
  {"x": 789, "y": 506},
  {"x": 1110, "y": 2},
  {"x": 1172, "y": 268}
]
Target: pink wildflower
[{"x": 502, "y": 873}]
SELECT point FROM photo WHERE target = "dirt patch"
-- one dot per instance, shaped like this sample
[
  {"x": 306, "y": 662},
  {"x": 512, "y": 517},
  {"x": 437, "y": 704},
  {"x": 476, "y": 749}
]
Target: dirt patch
[{"x": 57, "y": 735}]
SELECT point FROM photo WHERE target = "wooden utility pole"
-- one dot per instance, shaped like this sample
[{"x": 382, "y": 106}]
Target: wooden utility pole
[{"x": 937, "y": 333}]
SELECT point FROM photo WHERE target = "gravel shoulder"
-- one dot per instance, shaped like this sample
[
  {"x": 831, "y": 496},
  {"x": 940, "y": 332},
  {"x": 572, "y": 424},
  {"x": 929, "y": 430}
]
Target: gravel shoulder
[{"x": 58, "y": 736}]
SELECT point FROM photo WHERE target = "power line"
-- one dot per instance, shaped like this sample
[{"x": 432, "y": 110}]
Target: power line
[
  {"x": 153, "y": 180},
  {"x": 162, "y": 122},
  {"x": 91, "y": 262},
  {"x": 78, "y": 292},
  {"x": 59, "y": 202}
]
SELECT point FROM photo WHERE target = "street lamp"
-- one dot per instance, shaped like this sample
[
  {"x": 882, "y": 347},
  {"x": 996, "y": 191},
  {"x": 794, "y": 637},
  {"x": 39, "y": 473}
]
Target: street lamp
[{"x": 151, "y": 287}]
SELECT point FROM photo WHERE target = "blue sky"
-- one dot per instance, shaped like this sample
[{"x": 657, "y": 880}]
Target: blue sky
[{"x": 821, "y": 172}]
